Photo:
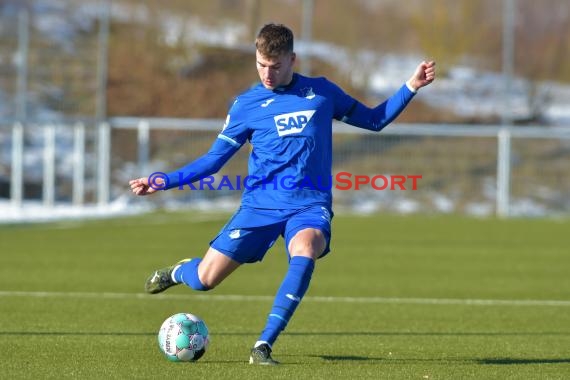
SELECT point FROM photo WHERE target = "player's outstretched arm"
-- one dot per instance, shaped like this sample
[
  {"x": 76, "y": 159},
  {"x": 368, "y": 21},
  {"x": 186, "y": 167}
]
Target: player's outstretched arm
[
  {"x": 424, "y": 75},
  {"x": 375, "y": 119},
  {"x": 208, "y": 164}
]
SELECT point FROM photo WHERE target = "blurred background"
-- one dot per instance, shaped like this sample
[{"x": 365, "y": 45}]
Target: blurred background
[{"x": 95, "y": 92}]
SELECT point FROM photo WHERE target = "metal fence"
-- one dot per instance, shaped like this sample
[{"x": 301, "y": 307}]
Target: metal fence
[{"x": 464, "y": 169}]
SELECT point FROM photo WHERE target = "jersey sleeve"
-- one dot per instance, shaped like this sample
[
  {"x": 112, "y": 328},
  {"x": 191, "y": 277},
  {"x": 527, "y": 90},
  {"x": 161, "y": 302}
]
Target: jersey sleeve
[
  {"x": 375, "y": 119},
  {"x": 208, "y": 164},
  {"x": 342, "y": 102},
  {"x": 233, "y": 135},
  {"x": 235, "y": 129}
]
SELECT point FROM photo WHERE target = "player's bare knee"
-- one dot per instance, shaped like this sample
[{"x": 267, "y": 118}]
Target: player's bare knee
[
  {"x": 309, "y": 242},
  {"x": 214, "y": 268}
]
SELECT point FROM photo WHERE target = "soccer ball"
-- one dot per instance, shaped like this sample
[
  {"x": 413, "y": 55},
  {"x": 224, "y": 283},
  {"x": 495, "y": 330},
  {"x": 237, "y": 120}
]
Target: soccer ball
[{"x": 183, "y": 337}]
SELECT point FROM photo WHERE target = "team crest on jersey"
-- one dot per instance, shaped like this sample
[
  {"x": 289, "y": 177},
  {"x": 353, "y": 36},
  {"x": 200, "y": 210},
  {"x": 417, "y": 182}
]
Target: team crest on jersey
[
  {"x": 308, "y": 93},
  {"x": 294, "y": 122}
]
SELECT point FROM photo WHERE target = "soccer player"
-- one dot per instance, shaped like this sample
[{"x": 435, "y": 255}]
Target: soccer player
[{"x": 287, "y": 118}]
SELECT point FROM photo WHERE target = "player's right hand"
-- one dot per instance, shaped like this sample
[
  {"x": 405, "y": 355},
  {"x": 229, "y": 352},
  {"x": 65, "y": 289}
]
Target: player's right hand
[{"x": 141, "y": 187}]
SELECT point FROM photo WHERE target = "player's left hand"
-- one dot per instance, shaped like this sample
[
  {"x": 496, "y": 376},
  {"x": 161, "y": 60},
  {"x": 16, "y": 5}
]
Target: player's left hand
[{"x": 424, "y": 75}]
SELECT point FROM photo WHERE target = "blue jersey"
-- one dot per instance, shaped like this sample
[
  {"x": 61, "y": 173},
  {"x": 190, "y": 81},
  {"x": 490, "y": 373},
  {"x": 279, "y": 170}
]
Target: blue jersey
[{"x": 290, "y": 130}]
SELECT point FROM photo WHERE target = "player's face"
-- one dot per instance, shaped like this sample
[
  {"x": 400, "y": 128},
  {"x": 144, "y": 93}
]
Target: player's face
[{"x": 275, "y": 72}]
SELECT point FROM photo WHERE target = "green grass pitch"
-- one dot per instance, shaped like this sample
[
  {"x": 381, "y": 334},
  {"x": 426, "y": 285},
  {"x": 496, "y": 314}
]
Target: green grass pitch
[{"x": 399, "y": 297}]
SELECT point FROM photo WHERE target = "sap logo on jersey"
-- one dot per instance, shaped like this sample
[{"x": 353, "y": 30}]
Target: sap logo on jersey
[{"x": 294, "y": 122}]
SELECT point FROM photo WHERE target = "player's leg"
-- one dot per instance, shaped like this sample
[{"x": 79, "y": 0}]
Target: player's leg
[
  {"x": 309, "y": 243},
  {"x": 307, "y": 237},
  {"x": 244, "y": 239},
  {"x": 199, "y": 274},
  {"x": 305, "y": 247},
  {"x": 205, "y": 273}
]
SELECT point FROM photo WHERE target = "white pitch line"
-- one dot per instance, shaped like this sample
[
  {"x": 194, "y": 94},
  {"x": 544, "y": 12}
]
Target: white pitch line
[{"x": 242, "y": 298}]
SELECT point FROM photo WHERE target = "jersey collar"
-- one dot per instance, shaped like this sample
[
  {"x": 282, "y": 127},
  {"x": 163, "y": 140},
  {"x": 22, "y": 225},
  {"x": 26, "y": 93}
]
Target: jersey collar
[{"x": 289, "y": 86}]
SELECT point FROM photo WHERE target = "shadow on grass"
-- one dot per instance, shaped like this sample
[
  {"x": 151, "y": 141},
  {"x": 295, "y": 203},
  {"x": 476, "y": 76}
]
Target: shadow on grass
[
  {"x": 352, "y": 358},
  {"x": 485, "y": 361},
  {"x": 517, "y": 361}
]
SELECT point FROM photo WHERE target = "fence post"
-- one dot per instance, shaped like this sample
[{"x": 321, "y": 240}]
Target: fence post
[
  {"x": 103, "y": 162},
  {"x": 143, "y": 133},
  {"x": 78, "y": 196},
  {"x": 49, "y": 166},
  {"x": 22, "y": 57},
  {"x": 16, "y": 180},
  {"x": 17, "y": 176},
  {"x": 503, "y": 172},
  {"x": 307, "y": 21}
]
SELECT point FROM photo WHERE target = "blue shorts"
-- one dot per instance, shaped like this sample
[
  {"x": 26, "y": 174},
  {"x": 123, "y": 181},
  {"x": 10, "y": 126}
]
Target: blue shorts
[{"x": 250, "y": 232}]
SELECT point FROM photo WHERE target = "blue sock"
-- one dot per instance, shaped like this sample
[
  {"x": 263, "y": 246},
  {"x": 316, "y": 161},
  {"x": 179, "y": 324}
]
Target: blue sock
[
  {"x": 288, "y": 297},
  {"x": 187, "y": 273}
]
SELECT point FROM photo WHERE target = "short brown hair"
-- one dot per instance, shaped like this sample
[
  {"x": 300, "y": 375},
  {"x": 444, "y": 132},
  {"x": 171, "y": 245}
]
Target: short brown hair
[{"x": 274, "y": 40}]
